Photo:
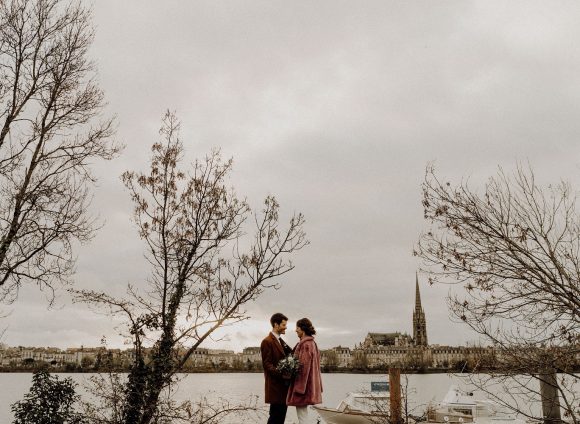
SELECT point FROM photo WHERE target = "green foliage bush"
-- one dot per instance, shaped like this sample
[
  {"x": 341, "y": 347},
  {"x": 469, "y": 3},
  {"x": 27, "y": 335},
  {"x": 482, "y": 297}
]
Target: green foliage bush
[{"x": 49, "y": 401}]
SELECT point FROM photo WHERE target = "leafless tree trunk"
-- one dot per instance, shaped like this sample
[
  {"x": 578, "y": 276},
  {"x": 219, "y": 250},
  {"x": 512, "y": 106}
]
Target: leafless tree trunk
[
  {"x": 49, "y": 133},
  {"x": 515, "y": 249},
  {"x": 192, "y": 226}
]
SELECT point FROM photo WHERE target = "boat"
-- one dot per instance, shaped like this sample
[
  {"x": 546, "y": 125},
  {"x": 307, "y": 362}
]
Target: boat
[
  {"x": 359, "y": 407},
  {"x": 459, "y": 406}
]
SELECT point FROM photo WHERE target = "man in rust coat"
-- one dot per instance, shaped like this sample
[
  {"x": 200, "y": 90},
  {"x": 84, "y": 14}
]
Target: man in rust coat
[{"x": 274, "y": 349}]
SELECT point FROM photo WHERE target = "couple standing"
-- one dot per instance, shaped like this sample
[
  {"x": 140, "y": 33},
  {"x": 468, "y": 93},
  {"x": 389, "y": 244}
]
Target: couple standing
[{"x": 283, "y": 390}]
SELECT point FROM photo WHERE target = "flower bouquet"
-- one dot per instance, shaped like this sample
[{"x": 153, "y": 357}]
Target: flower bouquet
[{"x": 290, "y": 365}]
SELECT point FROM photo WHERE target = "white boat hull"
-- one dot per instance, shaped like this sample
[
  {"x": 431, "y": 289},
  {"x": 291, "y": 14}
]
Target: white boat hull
[
  {"x": 459, "y": 407},
  {"x": 334, "y": 416}
]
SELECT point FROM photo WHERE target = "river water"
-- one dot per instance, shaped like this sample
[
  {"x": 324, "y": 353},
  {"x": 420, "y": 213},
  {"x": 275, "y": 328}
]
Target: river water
[{"x": 239, "y": 386}]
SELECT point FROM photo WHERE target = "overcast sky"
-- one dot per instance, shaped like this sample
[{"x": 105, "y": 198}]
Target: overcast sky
[{"x": 335, "y": 107}]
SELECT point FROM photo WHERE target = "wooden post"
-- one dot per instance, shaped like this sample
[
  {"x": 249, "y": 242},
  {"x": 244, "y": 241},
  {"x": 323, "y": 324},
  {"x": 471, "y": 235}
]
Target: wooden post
[
  {"x": 550, "y": 399},
  {"x": 395, "y": 396}
]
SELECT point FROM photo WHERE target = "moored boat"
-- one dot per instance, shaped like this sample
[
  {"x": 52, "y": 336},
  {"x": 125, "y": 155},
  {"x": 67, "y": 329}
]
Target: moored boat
[
  {"x": 459, "y": 406},
  {"x": 359, "y": 408}
]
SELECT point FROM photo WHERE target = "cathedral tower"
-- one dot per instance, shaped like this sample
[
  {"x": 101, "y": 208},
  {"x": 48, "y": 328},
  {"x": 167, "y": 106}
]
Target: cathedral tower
[{"x": 419, "y": 322}]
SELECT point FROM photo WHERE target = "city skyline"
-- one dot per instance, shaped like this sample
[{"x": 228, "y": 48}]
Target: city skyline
[{"x": 290, "y": 336}]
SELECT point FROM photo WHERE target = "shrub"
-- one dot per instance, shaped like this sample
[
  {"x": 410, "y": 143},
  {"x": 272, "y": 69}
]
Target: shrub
[{"x": 49, "y": 401}]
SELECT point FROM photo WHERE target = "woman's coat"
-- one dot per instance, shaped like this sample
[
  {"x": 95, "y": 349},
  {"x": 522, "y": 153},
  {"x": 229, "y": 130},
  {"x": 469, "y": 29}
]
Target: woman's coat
[{"x": 306, "y": 388}]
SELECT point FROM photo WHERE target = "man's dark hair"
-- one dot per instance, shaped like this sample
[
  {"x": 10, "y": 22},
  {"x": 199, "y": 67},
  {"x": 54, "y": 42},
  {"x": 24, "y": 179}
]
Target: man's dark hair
[{"x": 277, "y": 318}]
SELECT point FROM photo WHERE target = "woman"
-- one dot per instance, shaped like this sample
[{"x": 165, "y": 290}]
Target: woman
[{"x": 306, "y": 388}]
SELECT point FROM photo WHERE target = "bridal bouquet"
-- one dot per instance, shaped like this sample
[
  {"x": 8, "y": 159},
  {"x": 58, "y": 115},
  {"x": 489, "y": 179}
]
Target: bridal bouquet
[{"x": 290, "y": 365}]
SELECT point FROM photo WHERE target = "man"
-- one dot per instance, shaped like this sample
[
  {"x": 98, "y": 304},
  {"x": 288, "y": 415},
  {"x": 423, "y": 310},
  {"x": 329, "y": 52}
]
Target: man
[{"x": 274, "y": 349}]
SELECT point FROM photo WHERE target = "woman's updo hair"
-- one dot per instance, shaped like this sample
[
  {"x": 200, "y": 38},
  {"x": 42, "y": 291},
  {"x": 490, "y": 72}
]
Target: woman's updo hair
[{"x": 306, "y": 325}]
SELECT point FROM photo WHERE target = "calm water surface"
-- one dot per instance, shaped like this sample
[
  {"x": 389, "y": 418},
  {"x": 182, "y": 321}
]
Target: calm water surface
[{"x": 423, "y": 388}]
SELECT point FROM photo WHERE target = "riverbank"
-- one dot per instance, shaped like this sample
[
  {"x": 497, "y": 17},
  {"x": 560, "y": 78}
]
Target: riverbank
[
  {"x": 225, "y": 371},
  {"x": 73, "y": 369}
]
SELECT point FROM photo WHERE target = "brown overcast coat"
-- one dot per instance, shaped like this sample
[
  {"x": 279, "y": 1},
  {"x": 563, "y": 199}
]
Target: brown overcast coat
[{"x": 272, "y": 353}]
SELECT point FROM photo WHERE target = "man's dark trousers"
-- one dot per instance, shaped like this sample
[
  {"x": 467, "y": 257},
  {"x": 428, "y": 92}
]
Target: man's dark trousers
[{"x": 277, "y": 413}]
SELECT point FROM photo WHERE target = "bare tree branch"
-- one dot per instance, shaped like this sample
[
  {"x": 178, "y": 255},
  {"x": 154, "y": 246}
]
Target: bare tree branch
[
  {"x": 515, "y": 249},
  {"x": 51, "y": 130},
  {"x": 191, "y": 222}
]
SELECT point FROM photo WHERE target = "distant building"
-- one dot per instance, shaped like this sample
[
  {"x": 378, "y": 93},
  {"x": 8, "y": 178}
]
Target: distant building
[
  {"x": 419, "y": 320},
  {"x": 252, "y": 354},
  {"x": 344, "y": 356},
  {"x": 386, "y": 339},
  {"x": 339, "y": 357},
  {"x": 199, "y": 358},
  {"x": 398, "y": 339},
  {"x": 251, "y": 358}
]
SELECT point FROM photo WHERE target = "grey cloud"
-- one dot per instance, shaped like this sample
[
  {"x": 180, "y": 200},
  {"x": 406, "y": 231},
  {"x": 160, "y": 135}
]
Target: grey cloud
[{"x": 335, "y": 108}]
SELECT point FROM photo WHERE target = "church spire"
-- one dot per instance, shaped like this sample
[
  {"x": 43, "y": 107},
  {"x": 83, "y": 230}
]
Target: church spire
[
  {"x": 417, "y": 294},
  {"x": 419, "y": 320}
]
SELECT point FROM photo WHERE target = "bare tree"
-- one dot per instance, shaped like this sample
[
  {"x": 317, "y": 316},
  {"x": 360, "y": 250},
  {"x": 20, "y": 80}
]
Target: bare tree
[
  {"x": 192, "y": 226},
  {"x": 515, "y": 249},
  {"x": 50, "y": 132},
  {"x": 108, "y": 398},
  {"x": 206, "y": 411}
]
